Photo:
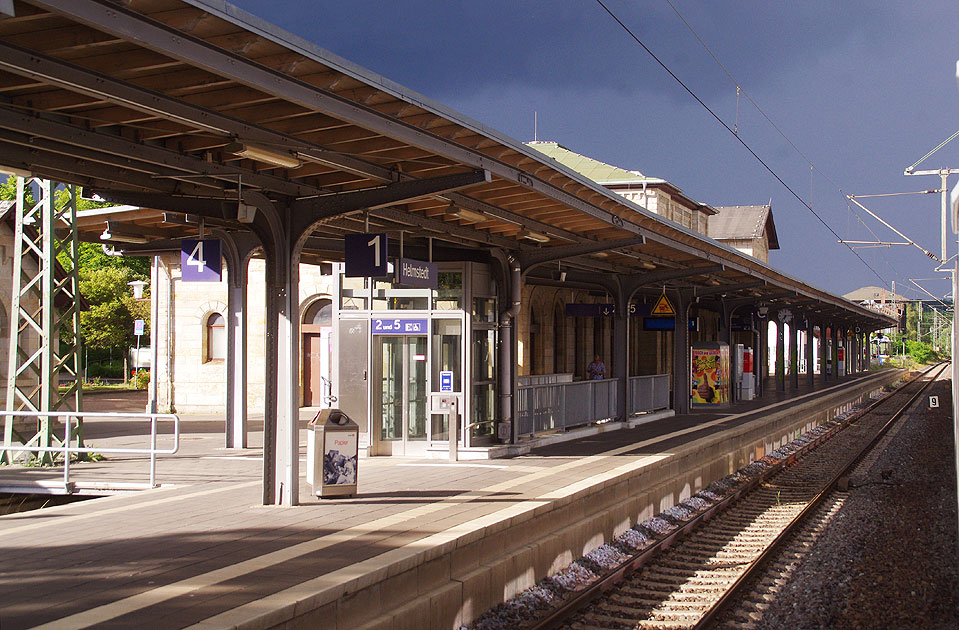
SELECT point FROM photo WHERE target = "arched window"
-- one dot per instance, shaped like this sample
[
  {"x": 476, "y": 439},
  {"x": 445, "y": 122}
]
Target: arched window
[
  {"x": 215, "y": 337},
  {"x": 320, "y": 313}
]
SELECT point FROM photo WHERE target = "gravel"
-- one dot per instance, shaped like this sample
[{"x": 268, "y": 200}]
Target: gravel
[{"x": 889, "y": 557}]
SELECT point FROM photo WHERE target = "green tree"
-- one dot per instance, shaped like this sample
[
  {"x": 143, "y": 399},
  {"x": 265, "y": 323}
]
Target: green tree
[
  {"x": 108, "y": 322},
  {"x": 912, "y": 319}
]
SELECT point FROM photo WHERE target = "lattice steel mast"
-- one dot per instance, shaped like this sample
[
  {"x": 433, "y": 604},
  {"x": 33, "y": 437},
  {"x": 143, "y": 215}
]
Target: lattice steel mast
[{"x": 44, "y": 358}]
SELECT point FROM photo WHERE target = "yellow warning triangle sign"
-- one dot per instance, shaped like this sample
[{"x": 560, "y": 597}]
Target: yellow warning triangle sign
[{"x": 662, "y": 306}]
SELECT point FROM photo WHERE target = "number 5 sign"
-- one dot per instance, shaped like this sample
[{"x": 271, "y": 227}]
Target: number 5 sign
[
  {"x": 366, "y": 255},
  {"x": 200, "y": 260}
]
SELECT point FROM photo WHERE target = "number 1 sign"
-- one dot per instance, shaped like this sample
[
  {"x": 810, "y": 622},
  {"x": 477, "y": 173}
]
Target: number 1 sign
[
  {"x": 366, "y": 255},
  {"x": 200, "y": 260}
]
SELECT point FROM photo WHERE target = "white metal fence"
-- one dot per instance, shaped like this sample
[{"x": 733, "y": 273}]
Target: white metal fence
[
  {"x": 648, "y": 393},
  {"x": 545, "y": 379},
  {"x": 547, "y": 403},
  {"x": 560, "y": 406},
  {"x": 68, "y": 419}
]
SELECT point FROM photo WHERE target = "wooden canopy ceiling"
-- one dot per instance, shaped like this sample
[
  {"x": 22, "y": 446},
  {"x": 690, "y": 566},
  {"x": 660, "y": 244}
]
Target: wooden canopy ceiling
[{"x": 168, "y": 103}]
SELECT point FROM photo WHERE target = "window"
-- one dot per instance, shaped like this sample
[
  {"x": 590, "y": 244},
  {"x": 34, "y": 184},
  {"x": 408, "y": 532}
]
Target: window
[
  {"x": 215, "y": 337},
  {"x": 449, "y": 292},
  {"x": 319, "y": 313}
]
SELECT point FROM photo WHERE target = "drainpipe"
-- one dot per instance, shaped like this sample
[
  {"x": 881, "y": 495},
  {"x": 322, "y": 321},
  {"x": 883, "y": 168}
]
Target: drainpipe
[{"x": 508, "y": 346}]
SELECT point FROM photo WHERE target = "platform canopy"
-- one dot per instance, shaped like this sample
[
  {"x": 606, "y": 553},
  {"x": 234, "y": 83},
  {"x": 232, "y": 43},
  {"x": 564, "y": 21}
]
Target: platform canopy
[{"x": 186, "y": 106}]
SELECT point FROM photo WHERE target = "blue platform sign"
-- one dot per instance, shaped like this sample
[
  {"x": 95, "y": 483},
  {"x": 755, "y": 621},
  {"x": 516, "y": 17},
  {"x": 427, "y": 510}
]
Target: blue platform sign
[
  {"x": 366, "y": 255},
  {"x": 446, "y": 381},
  {"x": 590, "y": 310},
  {"x": 394, "y": 326},
  {"x": 417, "y": 273},
  {"x": 667, "y": 323},
  {"x": 200, "y": 260}
]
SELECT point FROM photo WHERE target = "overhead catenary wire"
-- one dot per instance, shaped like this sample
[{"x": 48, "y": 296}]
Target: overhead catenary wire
[
  {"x": 736, "y": 135},
  {"x": 941, "y": 144},
  {"x": 812, "y": 167},
  {"x": 759, "y": 109},
  {"x": 899, "y": 194},
  {"x": 741, "y": 90},
  {"x": 925, "y": 251}
]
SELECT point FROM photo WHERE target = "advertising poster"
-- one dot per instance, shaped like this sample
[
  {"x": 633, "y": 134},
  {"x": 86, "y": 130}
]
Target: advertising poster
[
  {"x": 710, "y": 376},
  {"x": 339, "y": 458}
]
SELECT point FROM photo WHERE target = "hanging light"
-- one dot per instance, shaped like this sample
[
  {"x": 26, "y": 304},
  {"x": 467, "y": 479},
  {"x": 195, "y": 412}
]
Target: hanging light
[{"x": 283, "y": 159}]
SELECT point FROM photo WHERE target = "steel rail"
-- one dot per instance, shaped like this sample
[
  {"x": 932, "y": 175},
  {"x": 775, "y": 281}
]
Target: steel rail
[
  {"x": 759, "y": 562},
  {"x": 612, "y": 578}
]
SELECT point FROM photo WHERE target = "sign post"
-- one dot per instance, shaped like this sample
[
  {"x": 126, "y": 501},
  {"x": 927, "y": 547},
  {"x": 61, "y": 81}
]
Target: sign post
[{"x": 138, "y": 326}]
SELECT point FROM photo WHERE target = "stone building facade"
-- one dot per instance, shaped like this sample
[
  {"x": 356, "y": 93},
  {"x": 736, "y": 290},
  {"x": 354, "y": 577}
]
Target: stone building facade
[{"x": 190, "y": 334}]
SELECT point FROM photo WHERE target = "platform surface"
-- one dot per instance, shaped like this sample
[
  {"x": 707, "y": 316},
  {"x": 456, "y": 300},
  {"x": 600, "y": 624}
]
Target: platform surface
[{"x": 201, "y": 546}]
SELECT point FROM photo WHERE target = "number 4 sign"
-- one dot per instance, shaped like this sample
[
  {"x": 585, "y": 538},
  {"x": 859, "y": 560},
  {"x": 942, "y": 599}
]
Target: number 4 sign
[{"x": 200, "y": 260}]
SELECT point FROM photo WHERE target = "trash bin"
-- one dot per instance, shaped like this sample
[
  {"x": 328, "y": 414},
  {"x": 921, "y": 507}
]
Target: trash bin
[{"x": 331, "y": 454}]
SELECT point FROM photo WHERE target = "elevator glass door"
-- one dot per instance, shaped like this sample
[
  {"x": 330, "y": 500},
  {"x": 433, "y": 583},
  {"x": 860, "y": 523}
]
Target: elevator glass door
[{"x": 400, "y": 396}]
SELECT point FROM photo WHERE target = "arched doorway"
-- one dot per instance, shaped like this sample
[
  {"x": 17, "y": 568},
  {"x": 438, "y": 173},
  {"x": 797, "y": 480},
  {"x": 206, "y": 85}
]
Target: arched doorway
[{"x": 316, "y": 330}]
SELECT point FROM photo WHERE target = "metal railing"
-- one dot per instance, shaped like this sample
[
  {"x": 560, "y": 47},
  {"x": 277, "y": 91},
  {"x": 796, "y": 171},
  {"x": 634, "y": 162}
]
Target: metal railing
[
  {"x": 561, "y": 406},
  {"x": 545, "y": 379},
  {"x": 66, "y": 449},
  {"x": 648, "y": 393}
]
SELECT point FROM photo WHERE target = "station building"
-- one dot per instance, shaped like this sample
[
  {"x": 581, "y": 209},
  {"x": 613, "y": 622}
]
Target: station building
[{"x": 225, "y": 126}]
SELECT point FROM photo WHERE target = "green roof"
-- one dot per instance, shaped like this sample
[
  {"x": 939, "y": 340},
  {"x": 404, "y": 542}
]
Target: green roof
[{"x": 588, "y": 167}]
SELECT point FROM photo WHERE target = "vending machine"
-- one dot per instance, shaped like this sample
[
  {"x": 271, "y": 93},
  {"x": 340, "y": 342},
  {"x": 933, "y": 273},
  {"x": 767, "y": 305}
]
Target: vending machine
[
  {"x": 748, "y": 387},
  {"x": 737, "y": 371}
]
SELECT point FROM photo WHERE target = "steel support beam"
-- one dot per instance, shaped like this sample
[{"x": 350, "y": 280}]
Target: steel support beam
[
  {"x": 681, "y": 374},
  {"x": 780, "y": 356},
  {"x": 238, "y": 248},
  {"x": 634, "y": 282},
  {"x": 44, "y": 344},
  {"x": 77, "y": 79},
  {"x": 534, "y": 258},
  {"x": 794, "y": 353},
  {"x": 729, "y": 288},
  {"x": 307, "y": 212},
  {"x": 68, "y": 139}
]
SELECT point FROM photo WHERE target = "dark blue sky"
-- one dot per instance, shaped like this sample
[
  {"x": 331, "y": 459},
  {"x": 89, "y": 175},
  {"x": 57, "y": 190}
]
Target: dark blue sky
[{"x": 863, "y": 89}]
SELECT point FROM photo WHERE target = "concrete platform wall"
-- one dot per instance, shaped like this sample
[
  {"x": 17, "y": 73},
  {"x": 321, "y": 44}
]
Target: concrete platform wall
[{"x": 463, "y": 574}]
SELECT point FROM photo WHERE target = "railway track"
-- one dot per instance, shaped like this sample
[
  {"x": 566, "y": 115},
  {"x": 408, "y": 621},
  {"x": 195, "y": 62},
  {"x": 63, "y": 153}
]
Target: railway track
[{"x": 690, "y": 577}]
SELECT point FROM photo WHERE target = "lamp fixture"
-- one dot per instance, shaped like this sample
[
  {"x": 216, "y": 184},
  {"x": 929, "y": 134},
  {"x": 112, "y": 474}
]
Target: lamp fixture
[
  {"x": 122, "y": 235},
  {"x": 107, "y": 235},
  {"x": 138, "y": 288},
  {"x": 648, "y": 265},
  {"x": 463, "y": 214},
  {"x": 533, "y": 236},
  {"x": 283, "y": 159},
  {"x": 601, "y": 254}
]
